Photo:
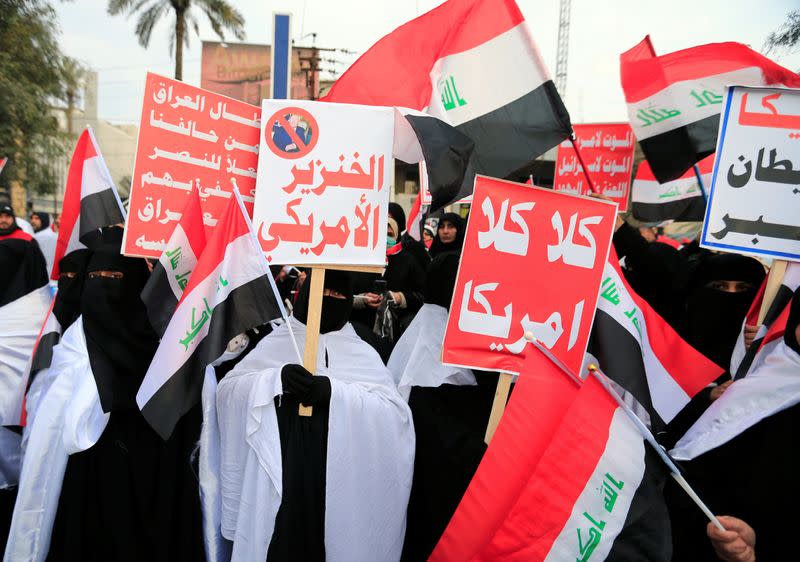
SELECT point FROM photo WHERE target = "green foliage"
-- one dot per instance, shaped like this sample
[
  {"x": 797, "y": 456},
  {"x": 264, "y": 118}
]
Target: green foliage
[
  {"x": 787, "y": 37},
  {"x": 30, "y": 84},
  {"x": 221, "y": 15}
]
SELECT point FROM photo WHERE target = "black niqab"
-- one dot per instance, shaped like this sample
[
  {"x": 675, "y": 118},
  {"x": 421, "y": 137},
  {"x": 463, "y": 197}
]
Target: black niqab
[
  {"x": 335, "y": 312},
  {"x": 119, "y": 337},
  {"x": 713, "y": 317},
  {"x": 441, "y": 279},
  {"x": 67, "y": 305},
  {"x": 439, "y": 247}
]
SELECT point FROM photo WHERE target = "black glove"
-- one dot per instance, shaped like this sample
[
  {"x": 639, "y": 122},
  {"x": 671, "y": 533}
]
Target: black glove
[{"x": 308, "y": 388}]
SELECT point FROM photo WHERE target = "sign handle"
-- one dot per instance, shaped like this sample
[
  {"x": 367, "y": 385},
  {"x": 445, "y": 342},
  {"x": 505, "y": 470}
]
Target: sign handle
[
  {"x": 774, "y": 280},
  {"x": 312, "y": 328},
  {"x": 498, "y": 405},
  {"x": 572, "y": 139}
]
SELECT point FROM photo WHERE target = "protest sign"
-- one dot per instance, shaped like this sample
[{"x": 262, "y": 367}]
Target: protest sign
[
  {"x": 323, "y": 183},
  {"x": 532, "y": 261},
  {"x": 755, "y": 192},
  {"x": 607, "y": 149},
  {"x": 189, "y": 138}
]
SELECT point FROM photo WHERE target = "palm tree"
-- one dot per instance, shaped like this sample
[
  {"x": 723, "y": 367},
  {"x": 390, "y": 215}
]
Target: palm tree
[
  {"x": 220, "y": 13},
  {"x": 73, "y": 74}
]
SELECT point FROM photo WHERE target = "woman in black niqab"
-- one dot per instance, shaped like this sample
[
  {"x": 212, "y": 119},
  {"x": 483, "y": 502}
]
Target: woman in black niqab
[
  {"x": 131, "y": 496},
  {"x": 450, "y": 422},
  {"x": 439, "y": 246},
  {"x": 299, "y": 532},
  {"x": 721, "y": 292},
  {"x": 72, "y": 274}
]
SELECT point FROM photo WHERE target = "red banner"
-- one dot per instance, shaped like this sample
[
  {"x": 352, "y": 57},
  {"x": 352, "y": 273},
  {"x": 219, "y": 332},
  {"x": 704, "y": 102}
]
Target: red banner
[
  {"x": 189, "y": 138},
  {"x": 533, "y": 260},
  {"x": 607, "y": 151}
]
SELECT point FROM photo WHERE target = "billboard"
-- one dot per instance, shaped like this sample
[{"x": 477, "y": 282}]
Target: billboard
[{"x": 242, "y": 71}]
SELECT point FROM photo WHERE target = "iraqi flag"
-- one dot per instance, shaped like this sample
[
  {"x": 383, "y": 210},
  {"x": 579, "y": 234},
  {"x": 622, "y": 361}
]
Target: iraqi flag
[
  {"x": 674, "y": 100},
  {"x": 593, "y": 490},
  {"x": 474, "y": 65},
  {"x": 771, "y": 386},
  {"x": 230, "y": 291},
  {"x": 771, "y": 330},
  {"x": 678, "y": 200},
  {"x": 21, "y": 330},
  {"x": 642, "y": 353},
  {"x": 91, "y": 200},
  {"x": 415, "y": 218},
  {"x": 41, "y": 358},
  {"x": 171, "y": 274}
]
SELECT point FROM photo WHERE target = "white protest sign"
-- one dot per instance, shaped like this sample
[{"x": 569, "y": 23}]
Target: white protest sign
[
  {"x": 323, "y": 182},
  {"x": 754, "y": 202}
]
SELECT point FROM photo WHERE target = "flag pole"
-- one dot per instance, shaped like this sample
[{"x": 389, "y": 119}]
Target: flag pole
[
  {"x": 572, "y": 139},
  {"x": 700, "y": 183},
  {"x": 648, "y": 436},
  {"x": 275, "y": 292}
]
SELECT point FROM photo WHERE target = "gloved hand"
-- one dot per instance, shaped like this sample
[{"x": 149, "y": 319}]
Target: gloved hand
[{"x": 308, "y": 388}]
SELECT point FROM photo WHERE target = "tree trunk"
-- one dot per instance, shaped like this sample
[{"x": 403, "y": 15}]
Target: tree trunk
[
  {"x": 180, "y": 30},
  {"x": 70, "y": 113}
]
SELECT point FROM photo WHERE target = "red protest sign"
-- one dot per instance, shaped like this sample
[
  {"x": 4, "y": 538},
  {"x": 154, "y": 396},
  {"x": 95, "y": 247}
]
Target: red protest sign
[
  {"x": 607, "y": 151},
  {"x": 189, "y": 139},
  {"x": 532, "y": 261}
]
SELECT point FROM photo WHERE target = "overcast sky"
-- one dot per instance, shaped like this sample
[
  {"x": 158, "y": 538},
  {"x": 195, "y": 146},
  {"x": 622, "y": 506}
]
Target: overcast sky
[{"x": 600, "y": 31}]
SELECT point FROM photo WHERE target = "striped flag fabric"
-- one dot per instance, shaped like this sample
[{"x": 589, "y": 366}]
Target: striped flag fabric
[
  {"x": 674, "y": 100},
  {"x": 171, "y": 274},
  {"x": 91, "y": 200},
  {"x": 41, "y": 358},
  {"x": 678, "y": 200},
  {"x": 771, "y": 387},
  {"x": 642, "y": 353},
  {"x": 773, "y": 326},
  {"x": 21, "y": 329},
  {"x": 593, "y": 492},
  {"x": 472, "y": 64},
  {"x": 230, "y": 291},
  {"x": 415, "y": 218}
]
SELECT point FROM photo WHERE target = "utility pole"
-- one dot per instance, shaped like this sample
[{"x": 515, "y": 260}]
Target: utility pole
[{"x": 563, "y": 47}]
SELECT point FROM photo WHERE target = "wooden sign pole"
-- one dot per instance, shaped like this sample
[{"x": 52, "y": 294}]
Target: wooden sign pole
[
  {"x": 498, "y": 405},
  {"x": 774, "y": 280},
  {"x": 312, "y": 327}
]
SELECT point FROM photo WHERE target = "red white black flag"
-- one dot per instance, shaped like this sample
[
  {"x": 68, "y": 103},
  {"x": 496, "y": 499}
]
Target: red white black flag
[
  {"x": 474, "y": 65},
  {"x": 91, "y": 200},
  {"x": 230, "y": 291},
  {"x": 679, "y": 200},
  {"x": 584, "y": 486},
  {"x": 771, "y": 329},
  {"x": 674, "y": 100},
  {"x": 171, "y": 274},
  {"x": 642, "y": 353}
]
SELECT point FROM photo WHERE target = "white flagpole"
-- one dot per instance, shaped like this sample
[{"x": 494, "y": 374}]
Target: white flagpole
[
  {"x": 648, "y": 436},
  {"x": 275, "y": 293}
]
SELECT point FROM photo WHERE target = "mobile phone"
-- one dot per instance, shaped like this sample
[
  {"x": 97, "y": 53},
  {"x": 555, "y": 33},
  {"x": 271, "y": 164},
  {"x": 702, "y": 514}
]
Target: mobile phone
[{"x": 380, "y": 286}]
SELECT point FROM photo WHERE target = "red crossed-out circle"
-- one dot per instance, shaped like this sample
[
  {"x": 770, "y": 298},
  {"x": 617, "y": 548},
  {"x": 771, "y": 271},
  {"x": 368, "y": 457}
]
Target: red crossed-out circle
[{"x": 303, "y": 148}]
